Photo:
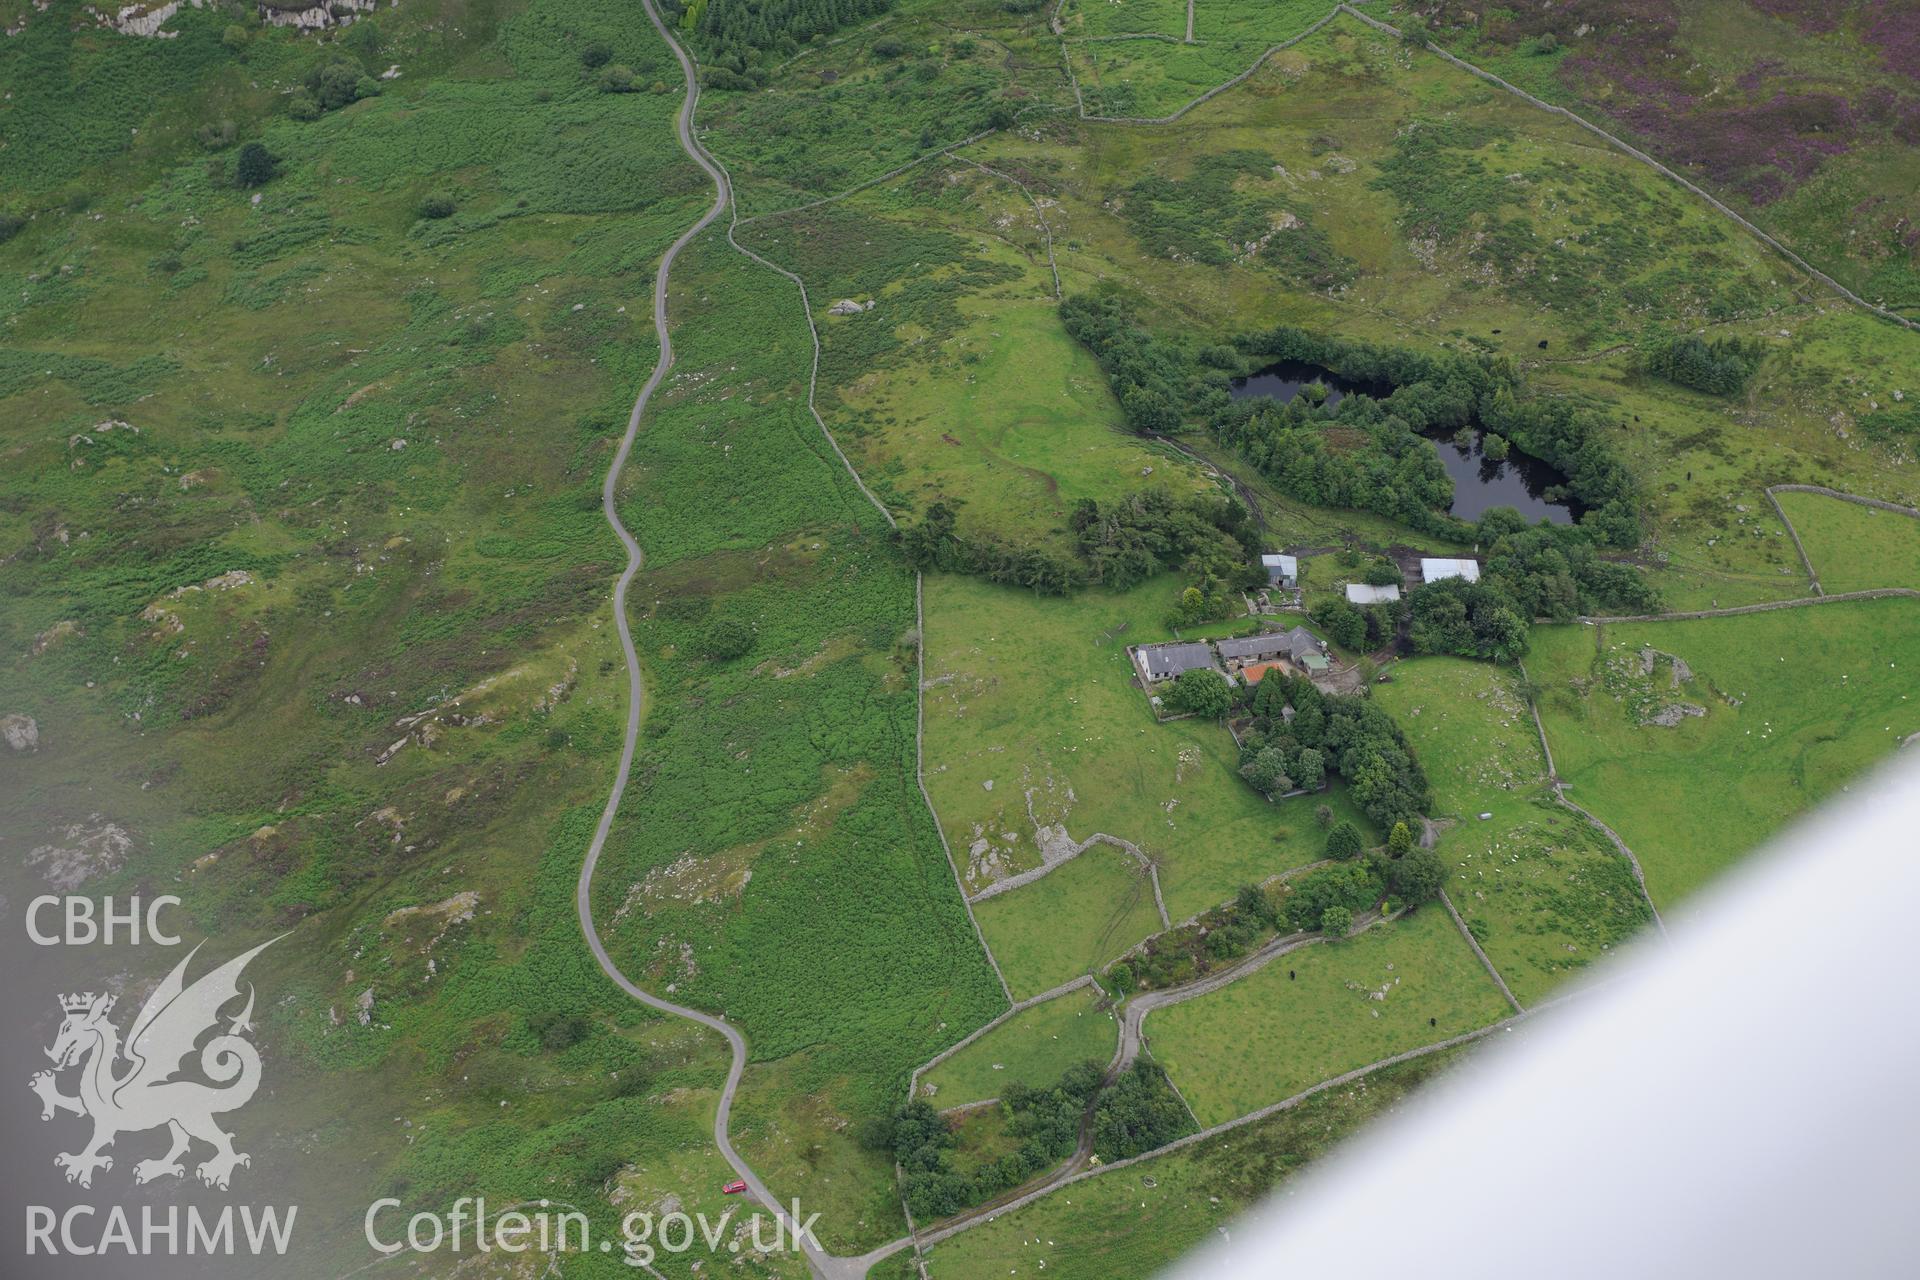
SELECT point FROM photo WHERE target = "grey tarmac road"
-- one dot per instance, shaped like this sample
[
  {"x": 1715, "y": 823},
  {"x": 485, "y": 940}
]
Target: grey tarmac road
[{"x": 822, "y": 1263}]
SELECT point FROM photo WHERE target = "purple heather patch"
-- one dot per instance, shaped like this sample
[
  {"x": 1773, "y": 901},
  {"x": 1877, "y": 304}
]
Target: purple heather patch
[
  {"x": 1893, "y": 27},
  {"x": 1759, "y": 150},
  {"x": 1768, "y": 135}
]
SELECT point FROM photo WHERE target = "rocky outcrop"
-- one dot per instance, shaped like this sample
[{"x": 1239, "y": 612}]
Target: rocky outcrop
[
  {"x": 81, "y": 851},
  {"x": 22, "y": 732},
  {"x": 142, "y": 19},
  {"x": 315, "y": 17}
]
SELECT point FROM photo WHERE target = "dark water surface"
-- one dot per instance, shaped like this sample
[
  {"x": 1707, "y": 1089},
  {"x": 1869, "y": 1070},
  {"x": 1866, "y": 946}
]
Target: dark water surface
[
  {"x": 1284, "y": 380},
  {"x": 1480, "y": 483},
  {"x": 1521, "y": 481}
]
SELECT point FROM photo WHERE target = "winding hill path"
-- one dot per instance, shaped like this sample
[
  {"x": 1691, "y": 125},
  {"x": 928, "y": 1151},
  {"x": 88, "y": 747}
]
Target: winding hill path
[{"x": 823, "y": 1263}]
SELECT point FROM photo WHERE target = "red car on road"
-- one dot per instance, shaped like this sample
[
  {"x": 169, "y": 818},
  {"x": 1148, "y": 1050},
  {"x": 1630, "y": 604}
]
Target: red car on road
[{"x": 735, "y": 1187}]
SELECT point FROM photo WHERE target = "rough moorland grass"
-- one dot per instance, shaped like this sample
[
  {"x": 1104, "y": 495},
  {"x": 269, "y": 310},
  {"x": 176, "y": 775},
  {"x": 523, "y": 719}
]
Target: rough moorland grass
[
  {"x": 960, "y": 384},
  {"x": 1543, "y": 892},
  {"x": 1073, "y": 920},
  {"x": 1715, "y": 91},
  {"x": 774, "y": 859},
  {"x": 1137, "y": 1220},
  {"x": 397, "y": 429},
  {"x": 1124, "y": 17},
  {"x": 1261, "y": 22},
  {"x": 1854, "y": 548},
  {"x": 1336, "y": 114},
  {"x": 1036, "y": 695},
  {"x": 850, "y": 111},
  {"x": 1799, "y": 702},
  {"x": 1034, "y": 1047},
  {"x": 1153, "y": 78},
  {"x": 1323, "y": 1010}
]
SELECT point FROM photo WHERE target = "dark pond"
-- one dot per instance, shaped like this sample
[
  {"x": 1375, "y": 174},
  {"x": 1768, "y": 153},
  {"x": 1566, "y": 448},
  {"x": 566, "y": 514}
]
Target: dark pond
[
  {"x": 1519, "y": 481},
  {"x": 1283, "y": 381}
]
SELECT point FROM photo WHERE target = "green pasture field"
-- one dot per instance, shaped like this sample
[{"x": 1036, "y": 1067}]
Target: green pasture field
[
  {"x": 1075, "y": 919},
  {"x": 1036, "y": 695},
  {"x": 1544, "y": 893},
  {"x": 1799, "y": 703},
  {"x": 1854, "y": 547},
  {"x": 1470, "y": 729},
  {"x": 1267, "y": 1036},
  {"x": 1137, "y": 1220},
  {"x": 1034, "y": 1047}
]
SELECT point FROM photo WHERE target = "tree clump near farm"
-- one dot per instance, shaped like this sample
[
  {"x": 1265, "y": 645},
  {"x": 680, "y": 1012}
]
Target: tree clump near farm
[
  {"x": 1537, "y": 573},
  {"x": 1192, "y": 950},
  {"x": 1351, "y": 887},
  {"x": 1467, "y": 619},
  {"x": 1201, "y": 692},
  {"x": 1118, "y": 545},
  {"x": 1347, "y": 735},
  {"x": 1267, "y": 772},
  {"x": 1139, "y": 1112},
  {"x": 1345, "y": 842},
  {"x": 1721, "y": 367},
  {"x": 1127, "y": 541},
  {"x": 1407, "y": 878},
  {"x": 1045, "y": 1121},
  {"x": 1151, "y": 379},
  {"x": 1212, "y": 599},
  {"x": 1356, "y": 627}
]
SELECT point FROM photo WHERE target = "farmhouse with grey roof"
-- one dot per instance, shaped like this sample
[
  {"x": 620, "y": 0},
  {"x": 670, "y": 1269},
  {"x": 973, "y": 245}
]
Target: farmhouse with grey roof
[
  {"x": 1160, "y": 662},
  {"x": 1272, "y": 644}
]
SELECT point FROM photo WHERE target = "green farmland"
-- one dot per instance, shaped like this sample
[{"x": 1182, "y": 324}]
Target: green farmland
[
  {"x": 1797, "y": 705},
  {"x": 1269, "y": 1036},
  {"x": 1034, "y": 1048}
]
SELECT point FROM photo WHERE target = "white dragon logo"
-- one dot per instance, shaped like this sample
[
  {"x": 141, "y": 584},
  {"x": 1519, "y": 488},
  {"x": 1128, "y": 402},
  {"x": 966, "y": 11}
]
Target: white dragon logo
[{"x": 145, "y": 1095}]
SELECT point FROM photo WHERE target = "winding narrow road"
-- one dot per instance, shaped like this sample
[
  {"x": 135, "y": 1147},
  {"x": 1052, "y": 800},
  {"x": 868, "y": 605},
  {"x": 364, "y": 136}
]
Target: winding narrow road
[{"x": 822, "y": 1263}]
